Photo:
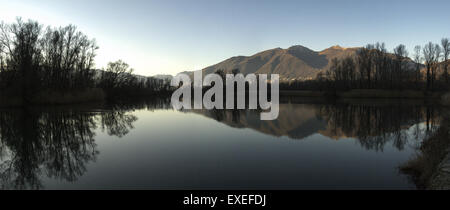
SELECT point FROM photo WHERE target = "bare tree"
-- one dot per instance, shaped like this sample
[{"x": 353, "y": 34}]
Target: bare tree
[
  {"x": 435, "y": 66},
  {"x": 429, "y": 54},
  {"x": 342, "y": 73},
  {"x": 446, "y": 52},
  {"x": 68, "y": 57},
  {"x": 418, "y": 61},
  {"x": 117, "y": 74},
  {"x": 22, "y": 41},
  {"x": 2, "y": 53},
  {"x": 379, "y": 55},
  {"x": 400, "y": 53},
  {"x": 365, "y": 65},
  {"x": 349, "y": 70}
]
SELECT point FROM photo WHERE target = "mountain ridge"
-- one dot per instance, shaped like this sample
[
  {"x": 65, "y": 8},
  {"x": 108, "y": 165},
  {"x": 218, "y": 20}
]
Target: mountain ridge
[{"x": 294, "y": 63}]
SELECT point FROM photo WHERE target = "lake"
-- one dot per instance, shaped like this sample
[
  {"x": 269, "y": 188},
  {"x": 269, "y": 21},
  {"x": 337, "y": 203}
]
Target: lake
[{"x": 147, "y": 145}]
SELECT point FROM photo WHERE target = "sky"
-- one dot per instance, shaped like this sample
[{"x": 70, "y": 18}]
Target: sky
[{"x": 171, "y": 36}]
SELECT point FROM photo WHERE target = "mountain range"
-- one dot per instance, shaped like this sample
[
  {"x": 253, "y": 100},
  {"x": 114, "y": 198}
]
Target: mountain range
[{"x": 295, "y": 63}]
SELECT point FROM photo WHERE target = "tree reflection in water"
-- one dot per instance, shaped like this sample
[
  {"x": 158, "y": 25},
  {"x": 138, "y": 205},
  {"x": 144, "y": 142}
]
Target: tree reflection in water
[
  {"x": 59, "y": 144},
  {"x": 51, "y": 143},
  {"x": 372, "y": 126}
]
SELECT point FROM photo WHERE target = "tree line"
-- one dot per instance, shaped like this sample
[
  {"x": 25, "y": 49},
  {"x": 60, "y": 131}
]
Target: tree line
[
  {"x": 374, "y": 67},
  {"x": 118, "y": 80},
  {"x": 34, "y": 58}
]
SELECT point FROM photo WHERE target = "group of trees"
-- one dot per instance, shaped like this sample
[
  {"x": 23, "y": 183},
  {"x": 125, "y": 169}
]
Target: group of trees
[
  {"x": 373, "y": 67},
  {"x": 118, "y": 80},
  {"x": 33, "y": 59}
]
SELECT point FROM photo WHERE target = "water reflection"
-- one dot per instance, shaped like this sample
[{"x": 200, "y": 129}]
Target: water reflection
[
  {"x": 55, "y": 144},
  {"x": 375, "y": 126},
  {"x": 60, "y": 143},
  {"x": 371, "y": 125}
]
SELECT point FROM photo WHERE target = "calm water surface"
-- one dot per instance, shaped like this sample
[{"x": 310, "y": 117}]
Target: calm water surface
[{"x": 148, "y": 145}]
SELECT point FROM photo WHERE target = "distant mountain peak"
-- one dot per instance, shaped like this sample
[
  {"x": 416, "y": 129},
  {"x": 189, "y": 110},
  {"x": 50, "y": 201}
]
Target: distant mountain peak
[
  {"x": 337, "y": 47},
  {"x": 299, "y": 48}
]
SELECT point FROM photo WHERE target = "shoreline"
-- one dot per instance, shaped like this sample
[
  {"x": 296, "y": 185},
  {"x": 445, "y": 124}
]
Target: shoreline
[
  {"x": 363, "y": 93},
  {"x": 429, "y": 169},
  {"x": 95, "y": 95},
  {"x": 441, "y": 178},
  {"x": 73, "y": 98},
  {"x": 54, "y": 98}
]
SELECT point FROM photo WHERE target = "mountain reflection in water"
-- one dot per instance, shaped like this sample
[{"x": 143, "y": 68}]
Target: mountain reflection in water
[
  {"x": 373, "y": 125},
  {"x": 59, "y": 143}
]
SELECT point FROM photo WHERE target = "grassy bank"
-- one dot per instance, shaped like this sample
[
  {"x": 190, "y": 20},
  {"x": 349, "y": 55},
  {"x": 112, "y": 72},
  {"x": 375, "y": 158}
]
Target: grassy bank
[
  {"x": 388, "y": 94},
  {"x": 96, "y": 94},
  {"x": 302, "y": 93},
  {"x": 429, "y": 168},
  {"x": 54, "y": 98},
  {"x": 366, "y": 93}
]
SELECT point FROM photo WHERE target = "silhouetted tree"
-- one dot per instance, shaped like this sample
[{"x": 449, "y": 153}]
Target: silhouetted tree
[
  {"x": 117, "y": 74},
  {"x": 400, "y": 53},
  {"x": 446, "y": 52},
  {"x": 418, "y": 60},
  {"x": 436, "y": 65},
  {"x": 68, "y": 59},
  {"x": 365, "y": 65},
  {"x": 429, "y": 54},
  {"x": 380, "y": 63},
  {"x": 21, "y": 40}
]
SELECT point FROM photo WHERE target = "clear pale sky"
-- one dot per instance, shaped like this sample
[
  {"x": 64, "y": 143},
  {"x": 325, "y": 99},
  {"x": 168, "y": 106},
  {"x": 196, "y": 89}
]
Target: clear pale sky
[{"x": 170, "y": 36}]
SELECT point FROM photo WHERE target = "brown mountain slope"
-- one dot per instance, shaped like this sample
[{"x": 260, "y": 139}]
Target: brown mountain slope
[{"x": 295, "y": 63}]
